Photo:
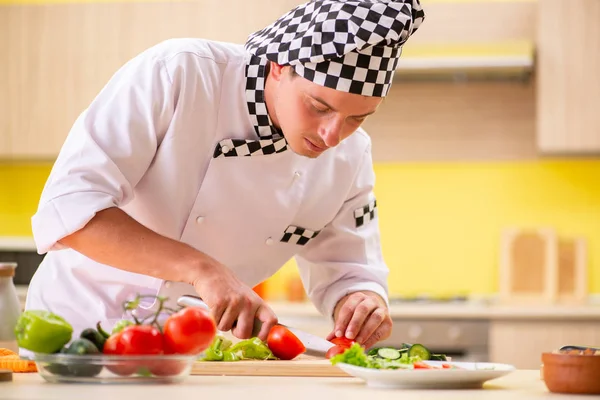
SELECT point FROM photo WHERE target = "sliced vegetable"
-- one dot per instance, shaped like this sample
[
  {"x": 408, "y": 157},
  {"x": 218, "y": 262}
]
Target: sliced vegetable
[
  {"x": 252, "y": 349},
  {"x": 438, "y": 357},
  {"x": 355, "y": 355},
  {"x": 389, "y": 353},
  {"x": 342, "y": 341},
  {"x": 418, "y": 350},
  {"x": 386, "y": 357},
  {"x": 335, "y": 350}
]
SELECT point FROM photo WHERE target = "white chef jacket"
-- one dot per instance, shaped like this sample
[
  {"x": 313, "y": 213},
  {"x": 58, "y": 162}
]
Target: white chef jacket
[{"x": 146, "y": 144}]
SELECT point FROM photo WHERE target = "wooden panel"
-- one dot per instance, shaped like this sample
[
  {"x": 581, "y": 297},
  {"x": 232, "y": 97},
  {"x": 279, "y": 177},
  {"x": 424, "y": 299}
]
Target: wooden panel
[
  {"x": 568, "y": 80},
  {"x": 448, "y": 121},
  {"x": 522, "y": 343},
  {"x": 477, "y": 21},
  {"x": 268, "y": 368},
  {"x": 61, "y": 55},
  {"x": 4, "y": 99}
]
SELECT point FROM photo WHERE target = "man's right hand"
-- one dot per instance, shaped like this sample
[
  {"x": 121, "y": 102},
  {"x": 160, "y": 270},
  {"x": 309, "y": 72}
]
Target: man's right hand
[{"x": 233, "y": 304}]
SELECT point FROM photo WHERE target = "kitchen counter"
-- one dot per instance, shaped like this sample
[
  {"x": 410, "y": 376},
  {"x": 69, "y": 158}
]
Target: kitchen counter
[
  {"x": 476, "y": 310},
  {"x": 521, "y": 384},
  {"x": 17, "y": 243}
]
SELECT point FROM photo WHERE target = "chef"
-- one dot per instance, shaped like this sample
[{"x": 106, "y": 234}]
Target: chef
[{"x": 202, "y": 167}]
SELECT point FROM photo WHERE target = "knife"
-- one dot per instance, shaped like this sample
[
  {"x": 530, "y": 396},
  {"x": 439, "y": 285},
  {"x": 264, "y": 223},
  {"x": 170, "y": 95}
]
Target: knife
[{"x": 315, "y": 345}]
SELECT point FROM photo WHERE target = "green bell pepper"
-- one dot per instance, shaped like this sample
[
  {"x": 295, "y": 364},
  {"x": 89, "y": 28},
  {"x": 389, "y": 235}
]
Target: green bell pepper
[
  {"x": 41, "y": 331},
  {"x": 216, "y": 349},
  {"x": 254, "y": 349}
]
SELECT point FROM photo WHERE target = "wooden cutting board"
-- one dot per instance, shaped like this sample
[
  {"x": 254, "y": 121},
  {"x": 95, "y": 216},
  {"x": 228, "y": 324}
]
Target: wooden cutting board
[{"x": 300, "y": 367}]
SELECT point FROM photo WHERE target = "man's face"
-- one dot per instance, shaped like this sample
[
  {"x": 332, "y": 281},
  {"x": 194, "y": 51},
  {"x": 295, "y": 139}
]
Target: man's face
[{"x": 314, "y": 118}]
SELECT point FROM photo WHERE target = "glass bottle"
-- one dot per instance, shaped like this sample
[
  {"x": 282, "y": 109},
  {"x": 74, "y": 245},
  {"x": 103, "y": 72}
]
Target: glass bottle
[{"x": 10, "y": 307}]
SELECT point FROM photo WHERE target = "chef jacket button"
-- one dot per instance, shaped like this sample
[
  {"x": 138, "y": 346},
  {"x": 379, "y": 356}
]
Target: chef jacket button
[
  {"x": 199, "y": 219},
  {"x": 225, "y": 149},
  {"x": 167, "y": 284},
  {"x": 269, "y": 241},
  {"x": 297, "y": 174}
]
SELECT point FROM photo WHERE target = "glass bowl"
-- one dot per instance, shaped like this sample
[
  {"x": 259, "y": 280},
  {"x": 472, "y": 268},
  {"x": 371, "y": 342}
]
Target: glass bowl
[{"x": 99, "y": 368}]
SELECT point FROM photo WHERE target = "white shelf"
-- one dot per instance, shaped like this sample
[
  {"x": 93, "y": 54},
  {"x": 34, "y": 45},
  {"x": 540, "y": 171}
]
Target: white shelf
[{"x": 438, "y": 63}]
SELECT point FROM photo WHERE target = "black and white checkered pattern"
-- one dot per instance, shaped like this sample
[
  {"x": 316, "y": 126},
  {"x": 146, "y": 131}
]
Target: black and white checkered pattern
[
  {"x": 297, "y": 235},
  {"x": 256, "y": 72},
  {"x": 249, "y": 147},
  {"x": 365, "y": 214},
  {"x": 348, "y": 45}
]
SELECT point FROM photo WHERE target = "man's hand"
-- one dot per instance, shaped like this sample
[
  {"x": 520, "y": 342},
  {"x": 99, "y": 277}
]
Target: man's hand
[
  {"x": 363, "y": 317},
  {"x": 233, "y": 304}
]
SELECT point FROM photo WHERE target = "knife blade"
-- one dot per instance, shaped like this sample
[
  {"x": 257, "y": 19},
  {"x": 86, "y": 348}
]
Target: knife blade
[{"x": 315, "y": 345}]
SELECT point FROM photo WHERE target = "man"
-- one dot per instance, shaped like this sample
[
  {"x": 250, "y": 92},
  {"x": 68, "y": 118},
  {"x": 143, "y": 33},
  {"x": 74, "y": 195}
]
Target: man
[{"x": 202, "y": 167}]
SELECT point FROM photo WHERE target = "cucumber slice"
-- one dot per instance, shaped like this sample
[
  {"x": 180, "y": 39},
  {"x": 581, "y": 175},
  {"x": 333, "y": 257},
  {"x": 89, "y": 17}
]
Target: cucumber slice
[
  {"x": 420, "y": 351},
  {"x": 438, "y": 357},
  {"x": 388, "y": 353}
]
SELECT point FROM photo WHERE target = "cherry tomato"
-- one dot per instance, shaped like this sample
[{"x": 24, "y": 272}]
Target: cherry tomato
[
  {"x": 335, "y": 350},
  {"x": 342, "y": 341},
  {"x": 284, "y": 344},
  {"x": 189, "y": 331}
]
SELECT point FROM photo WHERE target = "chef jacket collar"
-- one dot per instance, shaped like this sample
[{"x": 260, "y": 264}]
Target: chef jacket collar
[{"x": 256, "y": 74}]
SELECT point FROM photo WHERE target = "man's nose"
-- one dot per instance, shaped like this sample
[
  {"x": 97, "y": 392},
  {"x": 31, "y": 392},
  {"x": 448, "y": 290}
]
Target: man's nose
[{"x": 330, "y": 131}]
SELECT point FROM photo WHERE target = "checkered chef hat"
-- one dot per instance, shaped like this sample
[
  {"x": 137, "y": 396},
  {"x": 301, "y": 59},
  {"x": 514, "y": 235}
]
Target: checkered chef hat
[{"x": 348, "y": 45}]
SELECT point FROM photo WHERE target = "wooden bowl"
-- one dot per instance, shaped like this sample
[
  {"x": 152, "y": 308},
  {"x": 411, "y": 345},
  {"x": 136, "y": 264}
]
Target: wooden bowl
[{"x": 571, "y": 373}]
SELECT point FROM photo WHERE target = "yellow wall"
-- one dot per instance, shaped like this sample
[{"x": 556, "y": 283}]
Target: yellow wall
[{"x": 440, "y": 222}]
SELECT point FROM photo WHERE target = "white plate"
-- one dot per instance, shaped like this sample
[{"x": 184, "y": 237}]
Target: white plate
[{"x": 472, "y": 375}]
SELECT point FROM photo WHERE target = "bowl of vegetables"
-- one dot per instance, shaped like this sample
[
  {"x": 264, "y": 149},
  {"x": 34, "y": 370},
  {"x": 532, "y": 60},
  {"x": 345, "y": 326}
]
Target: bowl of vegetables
[{"x": 135, "y": 351}]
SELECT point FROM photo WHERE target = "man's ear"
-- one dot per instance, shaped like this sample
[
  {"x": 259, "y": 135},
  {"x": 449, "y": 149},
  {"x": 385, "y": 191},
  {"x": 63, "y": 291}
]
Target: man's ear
[{"x": 276, "y": 70}]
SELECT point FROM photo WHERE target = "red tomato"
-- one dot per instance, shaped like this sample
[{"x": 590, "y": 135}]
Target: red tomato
[
  {"x": 335, "y": 350},
  {"x": 140, "y": 339},
  {"x": 167, "y": 367},
  {"x": 342, "y": 341},
  {"x": 133, "y": 340},
  {"x": 189, "y": 331},
  {"x": 284, "y": 344},
  {"x": 113, "y": 346}
]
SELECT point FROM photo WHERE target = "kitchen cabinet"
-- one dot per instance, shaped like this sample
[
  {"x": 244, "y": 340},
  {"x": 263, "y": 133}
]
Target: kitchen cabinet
[
  {"x": 568, "y": 82},
  {"x": 522, "y": 342},
  {"x": 60, "y": 55}
]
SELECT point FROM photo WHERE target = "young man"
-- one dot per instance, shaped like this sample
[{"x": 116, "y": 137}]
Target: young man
[{"x": 202, "y": 167}]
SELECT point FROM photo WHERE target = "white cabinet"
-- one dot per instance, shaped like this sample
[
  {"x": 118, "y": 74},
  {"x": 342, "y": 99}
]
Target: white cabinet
[{"x": 568, "y": 65}]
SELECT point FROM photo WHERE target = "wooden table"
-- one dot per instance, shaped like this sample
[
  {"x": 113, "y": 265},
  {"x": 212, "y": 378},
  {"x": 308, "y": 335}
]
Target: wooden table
[{"x": 521, "y": 384}]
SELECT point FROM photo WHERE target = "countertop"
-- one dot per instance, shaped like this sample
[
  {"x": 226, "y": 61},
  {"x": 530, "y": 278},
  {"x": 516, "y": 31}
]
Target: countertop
[
  {"x": 467, "y": 310},
  {"x": 521, "y": 384}
]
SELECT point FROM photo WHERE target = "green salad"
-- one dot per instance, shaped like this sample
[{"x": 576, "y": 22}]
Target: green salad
[{"x": 408, "y": 356}]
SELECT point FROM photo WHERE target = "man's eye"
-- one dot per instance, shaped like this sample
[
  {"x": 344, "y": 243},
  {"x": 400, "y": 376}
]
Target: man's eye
[{"x": 320, "y": 110}]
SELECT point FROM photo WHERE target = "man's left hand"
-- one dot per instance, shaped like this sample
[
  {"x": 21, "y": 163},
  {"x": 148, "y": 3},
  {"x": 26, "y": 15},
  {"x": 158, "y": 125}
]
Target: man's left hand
[{"x": 363, "y": 317}]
